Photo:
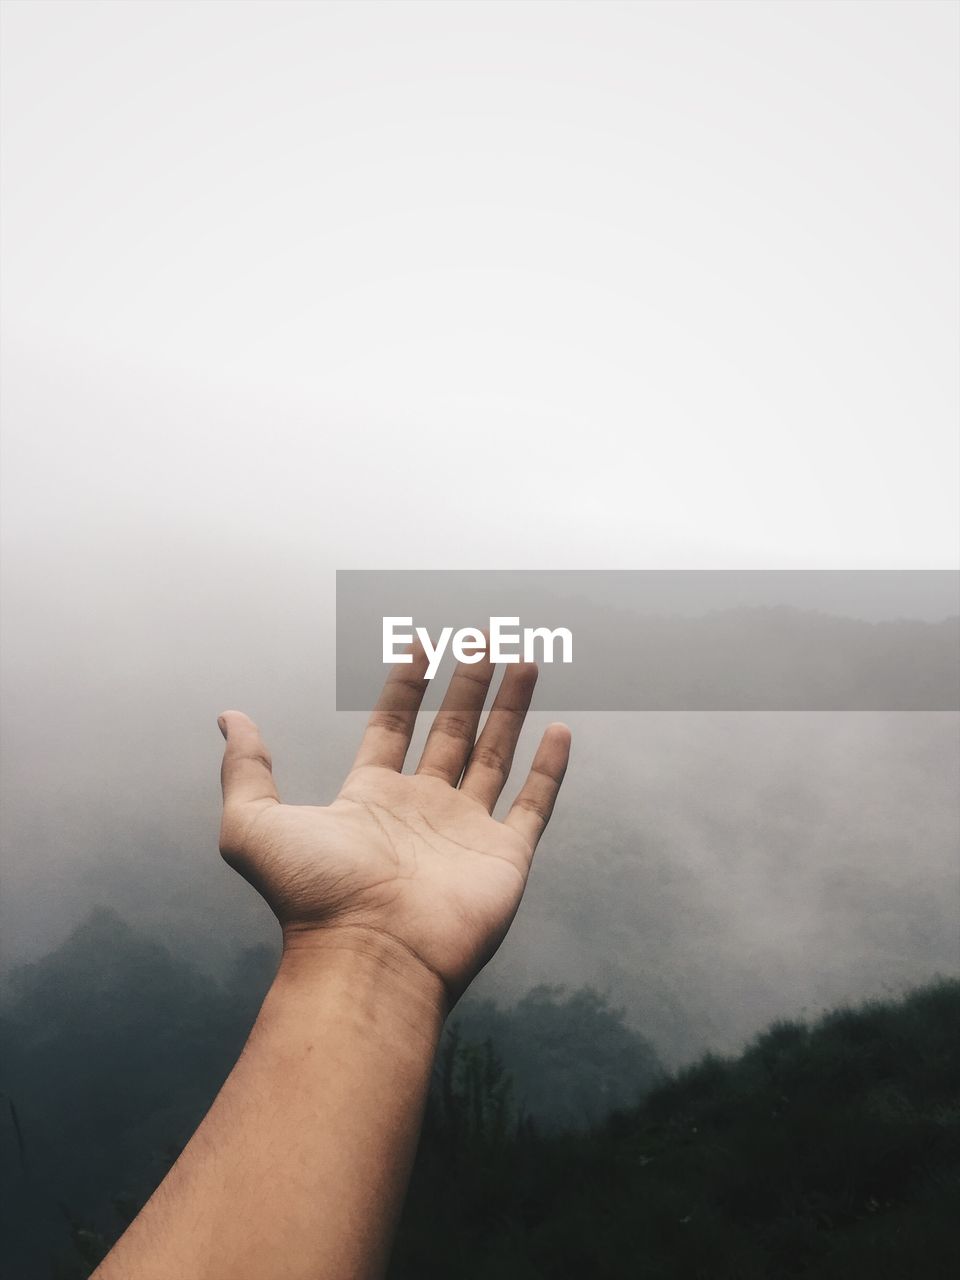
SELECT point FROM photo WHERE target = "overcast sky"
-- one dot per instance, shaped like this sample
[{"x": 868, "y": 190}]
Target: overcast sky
[
  {"x": 292, "y": 287},
  {"x": 513, "y": 284}
]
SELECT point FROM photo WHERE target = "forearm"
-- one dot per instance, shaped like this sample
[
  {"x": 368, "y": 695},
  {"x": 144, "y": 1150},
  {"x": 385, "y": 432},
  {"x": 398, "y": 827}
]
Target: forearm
[{"x": 299, "y": 1168}]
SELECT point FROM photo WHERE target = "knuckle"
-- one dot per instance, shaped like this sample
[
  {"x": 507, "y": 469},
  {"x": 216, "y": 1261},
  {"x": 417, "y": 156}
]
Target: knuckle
[
  {"x": 540, "y": 808},
  {"x": 389, "y": 721},
  {"x": 490, "y": 758},
  {"x": 470, "y": 675},
  {"x": 401, "y": 680},
  {"x": 455, "y": 726},
  {"x": 434, "y": 771}
]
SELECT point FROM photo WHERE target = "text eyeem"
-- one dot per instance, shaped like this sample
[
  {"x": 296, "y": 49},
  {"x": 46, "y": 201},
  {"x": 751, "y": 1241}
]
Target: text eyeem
[{"x": 469, "y": 643}]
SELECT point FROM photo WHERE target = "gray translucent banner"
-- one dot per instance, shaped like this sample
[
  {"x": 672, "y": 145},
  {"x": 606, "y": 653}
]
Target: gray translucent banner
[{"x": 687, "y": 640}]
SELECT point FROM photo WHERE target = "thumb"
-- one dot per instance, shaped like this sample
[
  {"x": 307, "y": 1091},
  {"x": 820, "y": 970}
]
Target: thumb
[{"x": 247, "y": 771}]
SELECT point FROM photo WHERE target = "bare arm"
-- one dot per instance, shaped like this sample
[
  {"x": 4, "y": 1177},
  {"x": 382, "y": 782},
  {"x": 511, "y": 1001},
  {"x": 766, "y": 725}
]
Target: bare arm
[{"x": 391, "y": 899}]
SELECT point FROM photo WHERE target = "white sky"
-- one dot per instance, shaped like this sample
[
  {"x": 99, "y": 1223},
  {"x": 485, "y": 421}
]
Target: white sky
[
  {"x": 292, "y": 287},
  {"x": 484, "y": 285}
]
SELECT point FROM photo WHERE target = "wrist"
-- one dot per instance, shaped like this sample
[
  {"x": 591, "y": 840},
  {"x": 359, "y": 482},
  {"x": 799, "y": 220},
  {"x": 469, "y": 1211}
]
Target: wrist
[{"x": 381, "y": 976}]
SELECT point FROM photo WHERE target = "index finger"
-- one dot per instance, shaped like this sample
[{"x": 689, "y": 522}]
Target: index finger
[{"x": 387, "y": 736}]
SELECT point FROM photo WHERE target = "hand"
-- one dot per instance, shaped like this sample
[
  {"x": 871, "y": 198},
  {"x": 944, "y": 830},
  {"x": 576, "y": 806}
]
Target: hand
[{"x": 413, "y": 861}]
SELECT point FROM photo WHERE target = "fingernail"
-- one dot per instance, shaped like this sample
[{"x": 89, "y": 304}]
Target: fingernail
[{"x": 222, "y": 725}]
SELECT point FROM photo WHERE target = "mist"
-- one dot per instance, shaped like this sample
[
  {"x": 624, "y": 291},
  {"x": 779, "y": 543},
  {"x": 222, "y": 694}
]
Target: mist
[
  {"x": 290, "y": 291},
  {"x": 707, "y": 871}
]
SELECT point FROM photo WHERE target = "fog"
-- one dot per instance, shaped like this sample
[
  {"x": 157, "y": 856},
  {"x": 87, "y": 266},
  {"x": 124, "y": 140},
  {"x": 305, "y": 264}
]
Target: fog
[
  {"x": 296, "y": 288},
  {"x": 708, "y": 871}
]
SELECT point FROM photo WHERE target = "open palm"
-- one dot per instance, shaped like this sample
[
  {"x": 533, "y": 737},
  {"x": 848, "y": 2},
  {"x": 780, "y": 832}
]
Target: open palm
[{"x": 416, "y": 858}]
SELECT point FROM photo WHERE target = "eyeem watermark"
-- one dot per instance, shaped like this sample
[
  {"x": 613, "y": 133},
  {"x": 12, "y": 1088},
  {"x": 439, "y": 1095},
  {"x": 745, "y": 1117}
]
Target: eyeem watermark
[
  {"x": 665, "y": 640},
  {"x": 469, "y": 644}
]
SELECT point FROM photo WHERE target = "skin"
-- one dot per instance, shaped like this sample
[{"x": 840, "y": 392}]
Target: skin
[{"x": 390, "y": 899}]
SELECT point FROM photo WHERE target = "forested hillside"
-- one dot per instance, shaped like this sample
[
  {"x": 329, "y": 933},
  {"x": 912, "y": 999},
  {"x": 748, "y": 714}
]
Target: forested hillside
[
  {"x": 830, "y": 1151},
  {"x": 554, "y": 1145},
  {"x": 111, "y": 1050}
]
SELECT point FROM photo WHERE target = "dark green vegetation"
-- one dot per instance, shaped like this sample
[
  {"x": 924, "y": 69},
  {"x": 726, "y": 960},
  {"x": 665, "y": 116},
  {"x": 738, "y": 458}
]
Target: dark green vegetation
[
  {"x": 824, "y": 1151},
  {"x": 830, "y": 1150},
  {"x": 111, "y": 1050}
]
